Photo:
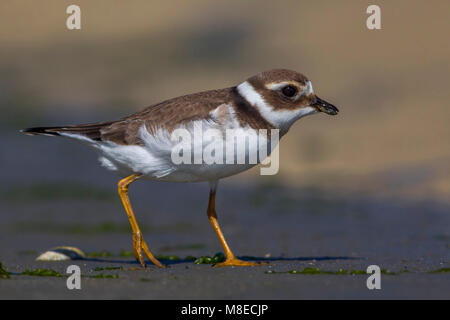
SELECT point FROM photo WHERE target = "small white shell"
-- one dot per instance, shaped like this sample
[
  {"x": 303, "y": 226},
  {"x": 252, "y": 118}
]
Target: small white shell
[
  {"x": 61, "y": 254},
  {"x": 52, "y": 256}
]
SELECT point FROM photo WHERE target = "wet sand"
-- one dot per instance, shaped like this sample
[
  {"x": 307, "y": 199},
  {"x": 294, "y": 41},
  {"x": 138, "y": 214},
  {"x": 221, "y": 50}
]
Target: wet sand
[{"x": 67, "y": 199}]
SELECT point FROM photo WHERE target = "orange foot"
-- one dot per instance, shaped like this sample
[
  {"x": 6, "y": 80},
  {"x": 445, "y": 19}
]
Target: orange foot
[
  {"x": 140, "y": 247},
  {"x": 238, "y": 263}
]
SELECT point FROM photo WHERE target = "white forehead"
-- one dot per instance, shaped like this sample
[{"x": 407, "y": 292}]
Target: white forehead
[{"x": 305, "y": 90}]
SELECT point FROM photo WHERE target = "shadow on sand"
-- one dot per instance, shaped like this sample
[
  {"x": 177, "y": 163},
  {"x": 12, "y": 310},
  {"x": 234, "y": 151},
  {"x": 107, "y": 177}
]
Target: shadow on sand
[{"x": 247, "y": 258}]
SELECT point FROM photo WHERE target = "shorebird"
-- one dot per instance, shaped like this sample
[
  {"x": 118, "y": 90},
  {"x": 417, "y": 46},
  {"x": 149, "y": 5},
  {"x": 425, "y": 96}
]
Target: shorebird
[{"x": 139, "y": 146}]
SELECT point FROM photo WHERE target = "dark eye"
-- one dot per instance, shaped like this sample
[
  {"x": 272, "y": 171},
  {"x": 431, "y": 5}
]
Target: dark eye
[{"x": 289, "y": 91}]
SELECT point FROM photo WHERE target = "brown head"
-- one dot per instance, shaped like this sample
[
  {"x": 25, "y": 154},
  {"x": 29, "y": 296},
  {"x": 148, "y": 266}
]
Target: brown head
[{"x": 283, "y": 96}]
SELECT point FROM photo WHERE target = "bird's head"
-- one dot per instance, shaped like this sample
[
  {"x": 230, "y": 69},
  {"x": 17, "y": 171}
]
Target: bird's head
[{"x": 283, "y": 96}]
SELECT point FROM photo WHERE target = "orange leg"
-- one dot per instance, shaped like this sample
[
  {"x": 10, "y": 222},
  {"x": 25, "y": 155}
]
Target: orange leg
[
  {"x": 139, "y": 244},
  {"x": 231, "y": 260}
]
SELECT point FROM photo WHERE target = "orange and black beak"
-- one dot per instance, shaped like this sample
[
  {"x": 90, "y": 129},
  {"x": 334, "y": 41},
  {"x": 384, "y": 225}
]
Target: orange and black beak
[{"x": 323, "y": 106}]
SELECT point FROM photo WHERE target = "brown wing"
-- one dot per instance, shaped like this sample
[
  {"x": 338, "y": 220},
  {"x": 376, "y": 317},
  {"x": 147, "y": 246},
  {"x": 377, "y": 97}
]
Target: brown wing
[{"x": 168, "y": 114}]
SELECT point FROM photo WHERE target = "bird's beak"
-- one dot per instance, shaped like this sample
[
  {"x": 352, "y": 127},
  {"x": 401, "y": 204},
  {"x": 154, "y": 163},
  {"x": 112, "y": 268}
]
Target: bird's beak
[{"x": 323, "y": 106}]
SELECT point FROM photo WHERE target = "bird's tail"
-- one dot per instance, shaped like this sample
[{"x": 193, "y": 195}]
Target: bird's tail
[{"x": 91, "y": 130}]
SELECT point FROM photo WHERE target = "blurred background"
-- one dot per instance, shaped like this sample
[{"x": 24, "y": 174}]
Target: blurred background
[
  {"x": 391, "y": 137},
  {"x": 372, "y": 182}
]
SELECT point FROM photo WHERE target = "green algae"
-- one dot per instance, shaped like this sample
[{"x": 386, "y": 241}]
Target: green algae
[
  {"x": 390, "y": 273},
  {"x": 3, "y": 273},
  {"x": 41, "y": 273},
  {"x": 129, "y": 253},
  {"x": 218, "y": 257},
  {"x": 190, "y": 258},
  {"x": 107, "y": 268},
  {"x": 168, "y": 257},
  {"x": 126, "y": 253},
  {"x": 441, "y": 270}
]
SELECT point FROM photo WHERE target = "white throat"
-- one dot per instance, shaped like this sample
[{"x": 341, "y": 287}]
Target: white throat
[{"x": 282, "y": 119}]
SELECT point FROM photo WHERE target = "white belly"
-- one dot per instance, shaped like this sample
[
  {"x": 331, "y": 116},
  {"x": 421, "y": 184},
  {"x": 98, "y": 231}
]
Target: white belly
[{"x": 155, "y": 160}]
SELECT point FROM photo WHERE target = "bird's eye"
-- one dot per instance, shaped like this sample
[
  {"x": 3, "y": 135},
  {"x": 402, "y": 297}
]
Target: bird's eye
[{"x": 289, "y": 91}]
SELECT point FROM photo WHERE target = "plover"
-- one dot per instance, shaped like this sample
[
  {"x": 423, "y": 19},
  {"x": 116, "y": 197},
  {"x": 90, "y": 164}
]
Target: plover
[{"x": 139, "y": 146}]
